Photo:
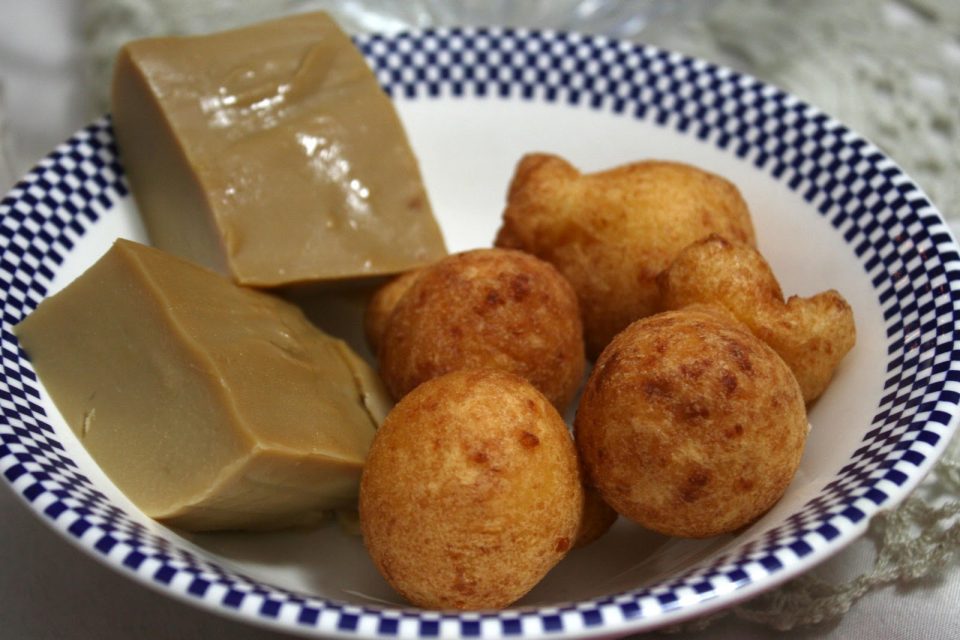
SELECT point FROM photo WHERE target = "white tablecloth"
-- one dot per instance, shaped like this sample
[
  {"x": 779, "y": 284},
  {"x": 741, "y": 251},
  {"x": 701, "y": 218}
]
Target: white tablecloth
[{"x": 50, "y": 589}]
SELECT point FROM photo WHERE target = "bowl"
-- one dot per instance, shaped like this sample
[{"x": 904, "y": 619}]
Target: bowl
[{"x": 830, "y": 210}]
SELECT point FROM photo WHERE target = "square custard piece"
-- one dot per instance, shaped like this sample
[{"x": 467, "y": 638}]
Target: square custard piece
[
  {"x": 271, "y": 154},
  {"x": 210, "y": 405}
]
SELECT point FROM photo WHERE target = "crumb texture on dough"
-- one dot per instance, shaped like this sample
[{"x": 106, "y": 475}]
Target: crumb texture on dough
[
  {"x": 611, "y": 233},
  {"x": 494, "y": 308},
  {"x": 690, "y": 425},
  {"x": 471, "y": 491},
  {"x": 812, "y": 335}
]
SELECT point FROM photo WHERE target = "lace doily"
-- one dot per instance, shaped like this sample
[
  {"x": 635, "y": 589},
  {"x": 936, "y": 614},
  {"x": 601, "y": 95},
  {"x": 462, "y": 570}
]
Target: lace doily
[
  {"x": 918, "y": 540},
  {"x": 889, "y": 68}
]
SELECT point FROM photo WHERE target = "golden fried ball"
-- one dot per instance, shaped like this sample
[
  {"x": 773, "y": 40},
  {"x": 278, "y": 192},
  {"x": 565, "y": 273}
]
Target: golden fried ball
[
  {"x": 690, "y": 425},
  {"x": 597, "y": 518},
  {"x": 471, "y": 492},
  {"x": 812, "y": 335},
  {"x": 382, "y": 304},
  {"x": 610, "y": 233},
  {"x": 486, "y": 308}
]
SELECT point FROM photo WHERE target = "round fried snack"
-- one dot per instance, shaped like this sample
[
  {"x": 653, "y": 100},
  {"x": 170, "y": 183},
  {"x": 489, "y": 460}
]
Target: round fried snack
[
  {"x": 486, "y": 308},
  {"x": 611, "y": 233},
  {"x": 471, "y": 491},
  {"x": 597, "y": 518},
  {"x": 812, "y": 335},
  {"x": 690, "y": 425},
  {"x": 381, "y": 307}
]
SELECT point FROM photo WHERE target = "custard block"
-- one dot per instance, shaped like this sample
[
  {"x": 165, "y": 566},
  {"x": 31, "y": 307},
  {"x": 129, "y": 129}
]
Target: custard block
[
  {"x": 210, "y": 405},
  {"x": 271, "y": 154}
]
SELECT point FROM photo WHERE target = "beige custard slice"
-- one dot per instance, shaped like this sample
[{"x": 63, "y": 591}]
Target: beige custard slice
[
  {"x": 270, "y": 154},
  {"x": 210, "y": 405}
]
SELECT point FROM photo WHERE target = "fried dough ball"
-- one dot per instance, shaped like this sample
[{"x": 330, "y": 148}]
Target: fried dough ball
[
  {"x": 382, "y": 304},
  {"x": 471, "y": 491},
  {"x": 486, "y": 308},
  {"x": 690, "y": 425},
  {"x": 610, "y": 233},
  {"x": 597, "y": 518},
  {"x": 812, "y": 335}
]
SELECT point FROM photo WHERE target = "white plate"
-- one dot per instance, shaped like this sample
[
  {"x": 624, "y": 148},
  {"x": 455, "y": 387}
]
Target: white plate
[{"x": 830, "y": 212}]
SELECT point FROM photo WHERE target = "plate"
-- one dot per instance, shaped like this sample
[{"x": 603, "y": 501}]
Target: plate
[{"x": 830, "y": 210}]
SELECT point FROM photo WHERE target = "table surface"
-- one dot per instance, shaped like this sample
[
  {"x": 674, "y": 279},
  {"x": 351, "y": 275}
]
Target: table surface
[{"x": 50, "y": 589}]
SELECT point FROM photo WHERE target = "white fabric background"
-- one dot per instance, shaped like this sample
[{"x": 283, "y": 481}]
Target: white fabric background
[{"x": 49, "y": 589}]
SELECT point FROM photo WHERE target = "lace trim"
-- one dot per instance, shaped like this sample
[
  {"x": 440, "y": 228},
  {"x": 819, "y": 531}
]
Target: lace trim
[
  {"x": 889, "y": 68},
  {"x": 920, "y": 539}
]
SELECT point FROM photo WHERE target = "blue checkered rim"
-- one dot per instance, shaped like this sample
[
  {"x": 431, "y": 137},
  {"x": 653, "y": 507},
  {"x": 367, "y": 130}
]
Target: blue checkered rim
[{"x": 898, "y": 237}]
